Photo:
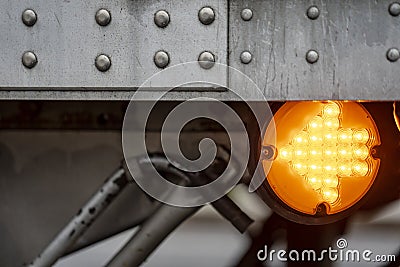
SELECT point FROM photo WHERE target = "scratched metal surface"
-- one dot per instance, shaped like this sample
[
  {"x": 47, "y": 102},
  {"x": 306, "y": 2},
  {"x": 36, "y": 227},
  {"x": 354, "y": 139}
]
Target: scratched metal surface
[
  {"x": 352, "y": 38},
  {"x": 67, "y": 39}
]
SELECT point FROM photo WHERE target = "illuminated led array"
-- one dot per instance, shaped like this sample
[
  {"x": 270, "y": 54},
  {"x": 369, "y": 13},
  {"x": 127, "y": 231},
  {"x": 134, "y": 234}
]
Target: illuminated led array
[{"x": 324, "y": 152}]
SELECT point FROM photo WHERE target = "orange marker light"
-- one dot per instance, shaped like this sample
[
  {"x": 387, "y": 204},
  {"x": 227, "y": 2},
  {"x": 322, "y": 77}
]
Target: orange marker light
[{"x": 323, "y": 155}]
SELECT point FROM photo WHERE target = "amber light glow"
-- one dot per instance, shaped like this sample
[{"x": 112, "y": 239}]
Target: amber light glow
[{"x": 323, "y": 155}]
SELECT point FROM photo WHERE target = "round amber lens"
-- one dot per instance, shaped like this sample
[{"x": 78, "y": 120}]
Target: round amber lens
[{"x": 323, "y": 155}]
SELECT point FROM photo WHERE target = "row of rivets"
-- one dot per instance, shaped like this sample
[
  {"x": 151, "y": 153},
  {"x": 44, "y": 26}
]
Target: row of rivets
[
  {"x": 247, "y": 14},
  {"x": 103, "y": 62},
  {"x": 103, "y": 17},
  {"x": 29, "y": 18},
  {"x": 393, "y": 54},
  {"x": 312, "y": 55},
  {"x": 313, "y": 11},
  {"x": 206, "y": 59},
  {"x": 206, "y": 16}
]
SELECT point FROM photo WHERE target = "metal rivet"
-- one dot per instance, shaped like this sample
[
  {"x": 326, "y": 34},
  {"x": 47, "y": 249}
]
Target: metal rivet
[
  {"x": 29, "y": 59},
  {"x": 103, "y": 62},
  {"x": 246, "y": 14},
  {"x": 161, "y": 18},
  {"x": 394, "y": 9},
  {"x": 29, "y": 17},
  {"x": 103, "y": 17},
  {"x": 246, "y": 57},
  {"x": 312, "y": 56},
  {"x": 206, "y": 60},
  {"x": 313, "y": 12},
  {"x": 393, "y": 54},
  {"x": 161, "y": 59},
  {"x": 206, "y": 15}
]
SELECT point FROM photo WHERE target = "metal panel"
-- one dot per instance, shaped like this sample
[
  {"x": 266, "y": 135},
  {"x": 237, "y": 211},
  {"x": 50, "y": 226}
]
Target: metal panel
[
  {"x": 66, "y": 40},
  {"x": 351, "y": 37}
]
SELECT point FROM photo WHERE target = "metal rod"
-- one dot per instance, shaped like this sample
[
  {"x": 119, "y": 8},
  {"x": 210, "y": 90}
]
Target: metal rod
[
  {"x": 230, "y": 211},
  {"x": 156, "y": 228},
  {"x": 225, "y": 206},
  {"x": 167, "y": 218},
  {"x": 83, "y": 219},
  {"x": 150, "y": 235}
]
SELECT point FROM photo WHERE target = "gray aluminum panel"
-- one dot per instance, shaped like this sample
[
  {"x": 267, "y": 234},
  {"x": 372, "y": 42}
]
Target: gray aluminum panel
[
  {"x": 352, "y": 38},
  {"x": 67, "y": 39}
]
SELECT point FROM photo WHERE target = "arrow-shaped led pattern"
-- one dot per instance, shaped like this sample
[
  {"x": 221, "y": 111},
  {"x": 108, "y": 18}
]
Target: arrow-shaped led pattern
[{"x": 324, "y": 155}]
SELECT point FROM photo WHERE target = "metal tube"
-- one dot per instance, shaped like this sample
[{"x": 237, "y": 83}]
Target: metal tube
[
  {"x": 225, "y": 206},
  {"x": 150, "y": 235},
  {"x": 167, "y": 218},
  {"x": 230, "y": 211},
  {"x": 83, "y": 219}
]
